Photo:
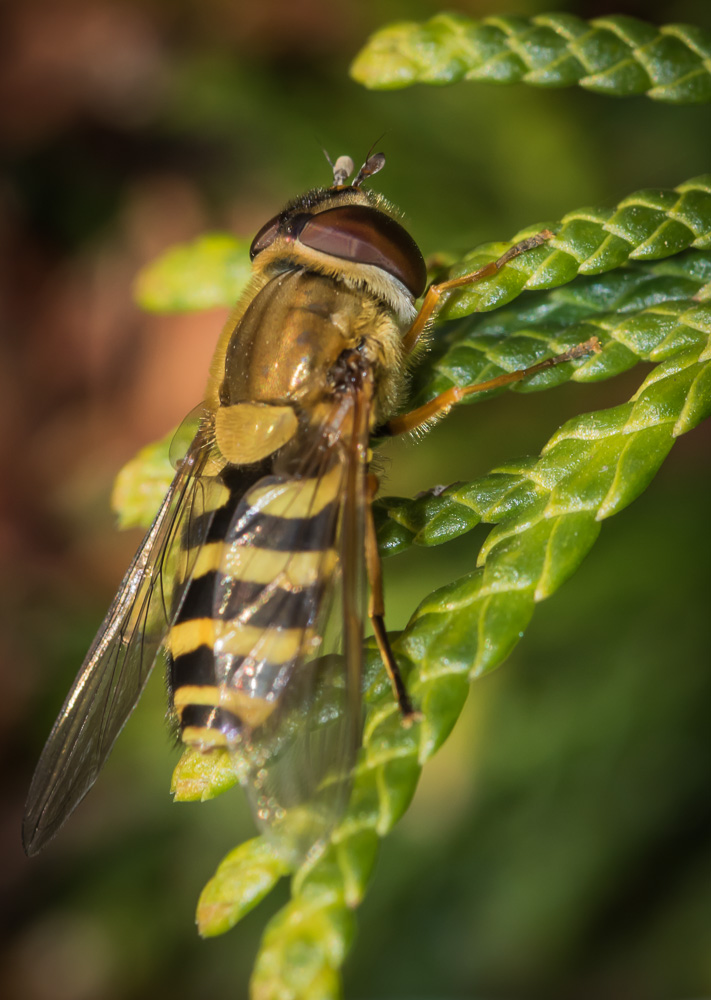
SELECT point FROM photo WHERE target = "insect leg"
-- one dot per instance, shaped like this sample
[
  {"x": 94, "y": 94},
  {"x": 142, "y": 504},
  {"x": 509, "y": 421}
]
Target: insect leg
[
  {"x": 441, "y": 404},
  {"x": 376, "y": 611},
  {"x": 434, "y": 292}
]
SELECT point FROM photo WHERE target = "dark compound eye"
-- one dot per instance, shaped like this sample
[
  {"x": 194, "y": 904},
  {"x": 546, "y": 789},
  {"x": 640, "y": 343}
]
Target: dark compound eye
[
  {"x": 266, "y": 235},
  {"x": 288, "y": 226},
  {"x": 367, "y": 236}
]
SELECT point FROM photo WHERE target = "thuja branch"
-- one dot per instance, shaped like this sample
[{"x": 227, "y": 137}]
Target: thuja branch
[{"x": 616, "y": 55}]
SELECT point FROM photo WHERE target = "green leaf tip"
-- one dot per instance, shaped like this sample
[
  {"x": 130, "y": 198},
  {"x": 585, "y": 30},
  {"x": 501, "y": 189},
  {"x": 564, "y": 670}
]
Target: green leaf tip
[
  {"x": 142, "y": 483},
  {"x": 211, "y": 271},
  {"x": 243, "y": 878},
  {"x": 201, "y": 776},
  {"x": 302, "y": 950},
  {"x": 618, "y": 56}
]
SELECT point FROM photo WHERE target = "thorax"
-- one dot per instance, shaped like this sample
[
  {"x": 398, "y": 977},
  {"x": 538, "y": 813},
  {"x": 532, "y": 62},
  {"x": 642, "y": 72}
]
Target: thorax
[{"x": 283, "y": 346}]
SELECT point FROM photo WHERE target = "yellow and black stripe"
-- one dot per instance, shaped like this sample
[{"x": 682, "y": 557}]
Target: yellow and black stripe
[{"x": 251, "y": 608}]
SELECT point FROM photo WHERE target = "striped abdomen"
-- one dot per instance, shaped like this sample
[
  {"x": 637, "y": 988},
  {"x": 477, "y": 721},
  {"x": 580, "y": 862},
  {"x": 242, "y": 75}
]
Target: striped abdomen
[{"x": 251, "y": 610}]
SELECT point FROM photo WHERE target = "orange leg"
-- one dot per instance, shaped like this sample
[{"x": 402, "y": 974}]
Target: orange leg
[
  {"x": 376, "y": 611},
  {"x": 434, "y": 292},
  {"x": 441, "y": 404}
]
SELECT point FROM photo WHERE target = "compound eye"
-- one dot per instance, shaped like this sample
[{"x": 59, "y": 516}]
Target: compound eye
[
  {"x": 368, "y": 236},
  {"x": 265, "y": 237}
]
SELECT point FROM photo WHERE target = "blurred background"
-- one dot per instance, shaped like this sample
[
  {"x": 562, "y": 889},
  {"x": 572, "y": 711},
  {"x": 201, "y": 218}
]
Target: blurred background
[{"x": 560, "y": 844}]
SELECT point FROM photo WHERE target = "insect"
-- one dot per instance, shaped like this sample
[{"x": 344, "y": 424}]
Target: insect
[{"x": 252, "y": 577}]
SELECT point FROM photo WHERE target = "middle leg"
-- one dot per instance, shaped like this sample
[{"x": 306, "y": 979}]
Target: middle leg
[{"x": 443, "y": 403}]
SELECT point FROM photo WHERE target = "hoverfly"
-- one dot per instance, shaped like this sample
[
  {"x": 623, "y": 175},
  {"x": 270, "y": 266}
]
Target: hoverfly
[{"x": 251, "y": 578}]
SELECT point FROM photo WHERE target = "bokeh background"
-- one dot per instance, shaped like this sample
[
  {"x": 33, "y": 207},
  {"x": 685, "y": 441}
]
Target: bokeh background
[{"x": 560, "y": 844}]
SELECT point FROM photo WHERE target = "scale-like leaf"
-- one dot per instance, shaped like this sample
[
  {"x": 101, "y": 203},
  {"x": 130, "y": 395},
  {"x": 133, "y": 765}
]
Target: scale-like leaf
[
  {"x": 244, "y": 877},
  {"x": 210, "y": 271},
  {"x": 615, "y": 55},
  {"x": 646, "y": 225},
  {"x": 639, "y": 312}
]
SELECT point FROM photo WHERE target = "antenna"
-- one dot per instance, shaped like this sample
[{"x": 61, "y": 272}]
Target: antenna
[
  {"x": 342, "y": 169},
  {"x": 371, "y": 166}
]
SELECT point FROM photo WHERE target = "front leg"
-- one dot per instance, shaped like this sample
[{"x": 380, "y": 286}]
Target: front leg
[{"x": 432, "y": 300}]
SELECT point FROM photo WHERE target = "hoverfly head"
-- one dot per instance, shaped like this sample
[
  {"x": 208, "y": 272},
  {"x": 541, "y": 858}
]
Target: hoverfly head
[{"x": 347, "y": 224}]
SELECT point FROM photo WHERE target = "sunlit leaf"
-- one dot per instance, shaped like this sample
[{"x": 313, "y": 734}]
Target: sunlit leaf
[
  {"x": 211, "y": 271},
  {"x": 615, "y": 55}
]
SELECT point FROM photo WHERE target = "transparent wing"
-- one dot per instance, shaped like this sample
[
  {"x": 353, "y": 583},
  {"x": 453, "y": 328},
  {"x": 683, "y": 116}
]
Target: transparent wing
[
  {"x": 117, "y": 666},
  {"x": 186, "y": 433},
  {"x": 289, "y": 642}
]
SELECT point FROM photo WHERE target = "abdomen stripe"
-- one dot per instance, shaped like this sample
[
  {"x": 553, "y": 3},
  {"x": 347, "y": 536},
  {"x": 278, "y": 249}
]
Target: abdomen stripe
[{"x": 256, "y": 591}]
